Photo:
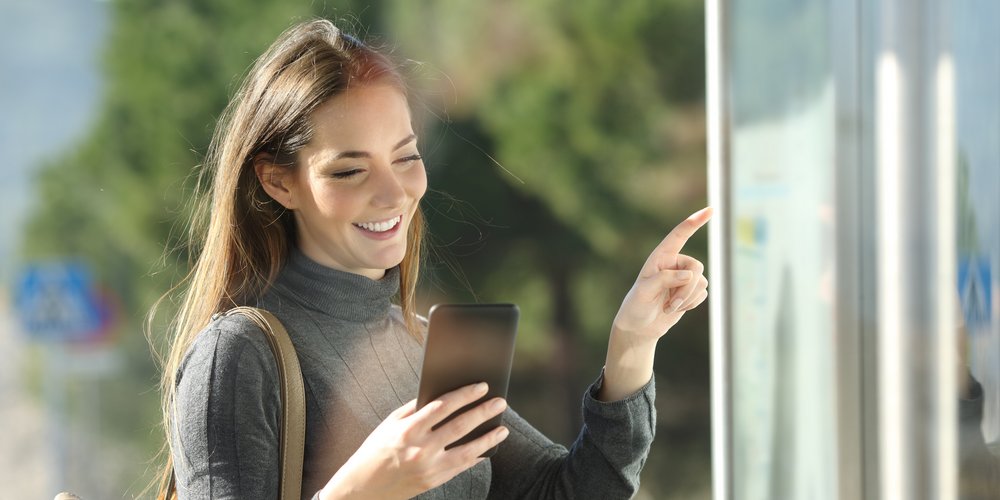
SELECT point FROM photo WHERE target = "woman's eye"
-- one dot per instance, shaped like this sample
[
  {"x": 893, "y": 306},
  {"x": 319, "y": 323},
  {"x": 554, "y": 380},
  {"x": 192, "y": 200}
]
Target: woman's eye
[
  {"x": 409, "y": 159},
  {"x": 345, "y": 174}
]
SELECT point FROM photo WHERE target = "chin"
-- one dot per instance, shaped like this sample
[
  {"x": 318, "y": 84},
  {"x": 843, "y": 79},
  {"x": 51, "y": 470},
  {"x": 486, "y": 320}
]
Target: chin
[
  {"x": 388, "y": 263},
  {"x": 395, "y": 263}
]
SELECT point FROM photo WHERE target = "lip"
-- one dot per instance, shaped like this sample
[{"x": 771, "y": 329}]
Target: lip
[{"x": 383, "y": 235}]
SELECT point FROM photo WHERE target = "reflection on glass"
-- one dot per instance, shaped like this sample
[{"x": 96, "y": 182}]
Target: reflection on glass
[
  {"x": 784, "y": 413},
  {"x": 976, "y": 49}
]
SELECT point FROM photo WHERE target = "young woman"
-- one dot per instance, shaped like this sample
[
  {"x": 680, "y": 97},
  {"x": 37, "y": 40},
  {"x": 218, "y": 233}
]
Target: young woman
[{"x": 315, "y": 217}]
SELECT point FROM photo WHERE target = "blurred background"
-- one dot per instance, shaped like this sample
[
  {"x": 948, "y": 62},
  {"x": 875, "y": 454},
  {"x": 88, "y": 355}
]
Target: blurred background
[
  {"x": 853, "y": 159},
  {"x": 563, "y": 140}
]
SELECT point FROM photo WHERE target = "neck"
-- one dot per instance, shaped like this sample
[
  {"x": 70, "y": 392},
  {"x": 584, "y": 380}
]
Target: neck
[{"x": 346, "y": 295}]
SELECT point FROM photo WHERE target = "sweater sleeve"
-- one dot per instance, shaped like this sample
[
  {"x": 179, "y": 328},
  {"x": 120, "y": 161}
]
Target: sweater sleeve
[
  {"x": 604, "y": 461},
  {"x": 226, "y": 414}
]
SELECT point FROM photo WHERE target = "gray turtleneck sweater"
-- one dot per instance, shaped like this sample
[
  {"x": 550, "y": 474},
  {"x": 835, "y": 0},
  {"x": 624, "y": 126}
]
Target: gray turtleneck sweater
[{"x": 359, "y": 364}]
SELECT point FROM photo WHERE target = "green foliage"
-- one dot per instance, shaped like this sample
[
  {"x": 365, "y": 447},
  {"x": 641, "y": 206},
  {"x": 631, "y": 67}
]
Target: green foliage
[
  {"x": 560, "y": 121},
  {"x": 571, "y": 93},
  {"x": 117, "y": 199},
  {"x": 548, "y": 165},
  {"x": 573, "y": 102},
  {"x": 968, "y": 234}
]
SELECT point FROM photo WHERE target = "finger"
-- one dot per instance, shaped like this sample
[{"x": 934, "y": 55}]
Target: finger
[
  {"x": 664, "y": 256},
  {"x": 442, "y": 407},
  {"x": 674, "y": 242},
  {"x": 702, "y": 285},
  {"x": 653, "y": 287},
  {"x": 404, "y": 411},
  {"x": 470, "y": 452},
  {"x": 699, "y": 298},
  {"x": 680, "y": 296},
  {"x": 461, "y": 458},
  {"x": 469, "y": 420}
]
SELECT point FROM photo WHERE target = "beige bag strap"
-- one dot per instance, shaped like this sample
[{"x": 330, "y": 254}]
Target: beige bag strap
[
  {"x": 293, "y": 403},
  {"x": 293, "y": 398}
]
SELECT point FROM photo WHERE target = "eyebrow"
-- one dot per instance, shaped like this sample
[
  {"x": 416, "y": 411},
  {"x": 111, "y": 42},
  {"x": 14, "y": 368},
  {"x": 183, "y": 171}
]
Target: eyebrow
[{"x": 365, "y": 154}]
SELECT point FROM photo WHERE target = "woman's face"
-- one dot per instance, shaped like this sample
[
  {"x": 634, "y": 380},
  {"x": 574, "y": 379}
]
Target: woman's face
[{"x": 358, "y": 182}]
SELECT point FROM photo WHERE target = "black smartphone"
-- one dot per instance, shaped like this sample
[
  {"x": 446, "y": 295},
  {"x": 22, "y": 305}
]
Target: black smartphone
[{"x": 468, "y": 344}]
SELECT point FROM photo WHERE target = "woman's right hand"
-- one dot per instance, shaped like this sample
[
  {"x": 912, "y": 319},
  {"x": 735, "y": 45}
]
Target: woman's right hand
[{"x": 405, "y": 456}]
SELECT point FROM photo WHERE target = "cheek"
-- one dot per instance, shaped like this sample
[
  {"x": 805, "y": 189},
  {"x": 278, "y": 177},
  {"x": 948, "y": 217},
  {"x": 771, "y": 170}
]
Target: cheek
[
  {"x": 339, "y": 203},
  {"x": 416, "y": 182}
]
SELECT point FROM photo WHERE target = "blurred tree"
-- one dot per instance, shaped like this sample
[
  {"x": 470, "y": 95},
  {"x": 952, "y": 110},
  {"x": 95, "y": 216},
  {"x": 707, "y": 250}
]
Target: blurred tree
[
  {"x": 575, "y": 128},
  {"x": 117, "y": 199},
  {"x": 574, "y": 100},
  {"x": 968, "y": 233}
]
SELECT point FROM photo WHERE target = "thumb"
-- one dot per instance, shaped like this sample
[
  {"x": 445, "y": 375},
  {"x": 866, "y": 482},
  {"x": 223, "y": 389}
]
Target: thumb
[{"x": 654, "y": 286}]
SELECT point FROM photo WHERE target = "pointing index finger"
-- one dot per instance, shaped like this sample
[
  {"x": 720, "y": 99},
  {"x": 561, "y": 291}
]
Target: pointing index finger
[{"x": 676, "y": 239}]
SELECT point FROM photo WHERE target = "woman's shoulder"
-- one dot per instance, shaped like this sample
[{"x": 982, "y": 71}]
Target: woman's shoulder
[
  {"x": 229, "y": 343},
  {"x": 226, "y": 391}
]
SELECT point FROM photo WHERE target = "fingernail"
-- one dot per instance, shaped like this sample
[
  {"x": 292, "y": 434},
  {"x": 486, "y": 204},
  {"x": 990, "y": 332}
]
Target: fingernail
[
  {"x": 684, "y": 275},
  {"x": 676, "y": 304},
  {"x": 481, "y": 387},
  {"x": 503, "y": 433},
  {"x": 498, "y": 405}
]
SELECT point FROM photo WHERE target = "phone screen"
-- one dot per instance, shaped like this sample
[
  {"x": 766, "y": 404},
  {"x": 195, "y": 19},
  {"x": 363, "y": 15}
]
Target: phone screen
[{"x": 467, "y": 344}]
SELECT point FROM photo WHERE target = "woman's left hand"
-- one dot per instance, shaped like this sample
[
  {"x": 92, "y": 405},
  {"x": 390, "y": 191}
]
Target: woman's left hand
[{"x": 669, "y": 284}]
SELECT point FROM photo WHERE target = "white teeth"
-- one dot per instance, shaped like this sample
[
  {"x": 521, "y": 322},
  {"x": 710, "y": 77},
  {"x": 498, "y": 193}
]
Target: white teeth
[{"x": 380, "y": 227}]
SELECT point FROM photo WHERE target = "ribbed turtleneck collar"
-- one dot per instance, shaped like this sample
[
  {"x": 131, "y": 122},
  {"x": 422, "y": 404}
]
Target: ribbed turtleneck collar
[{"x": 340, "y": 294}]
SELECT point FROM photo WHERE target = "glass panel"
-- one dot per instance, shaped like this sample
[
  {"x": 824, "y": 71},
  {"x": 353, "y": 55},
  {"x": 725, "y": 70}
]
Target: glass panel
[
  {"x": 976, "y": 47},
  {"x": 783, "y": 137}
]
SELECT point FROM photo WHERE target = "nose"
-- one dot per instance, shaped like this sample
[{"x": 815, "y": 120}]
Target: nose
[{"x": 389, "y": 191}]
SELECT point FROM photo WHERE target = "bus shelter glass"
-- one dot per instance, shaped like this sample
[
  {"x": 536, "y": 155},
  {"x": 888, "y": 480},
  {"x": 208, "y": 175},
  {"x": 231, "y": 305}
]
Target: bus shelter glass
[
  {"x": 783, "y": 133},
  {"x": 976, "y": 52}
]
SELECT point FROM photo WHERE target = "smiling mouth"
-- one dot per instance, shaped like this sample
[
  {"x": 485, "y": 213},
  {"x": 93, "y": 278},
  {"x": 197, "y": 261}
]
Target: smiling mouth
[{"x": 380, "y": 227}]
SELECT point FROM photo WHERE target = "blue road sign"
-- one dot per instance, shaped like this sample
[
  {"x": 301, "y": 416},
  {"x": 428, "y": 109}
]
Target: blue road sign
[
  {"x": 975, "y": 291},
  {"x": 56, "y": 301}
]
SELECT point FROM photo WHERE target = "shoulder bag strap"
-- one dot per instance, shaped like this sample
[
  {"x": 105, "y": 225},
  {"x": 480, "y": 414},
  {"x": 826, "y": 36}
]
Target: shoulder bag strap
[
  {"x": 293, "y": 407},
  {"x": 293, "y": 416}
]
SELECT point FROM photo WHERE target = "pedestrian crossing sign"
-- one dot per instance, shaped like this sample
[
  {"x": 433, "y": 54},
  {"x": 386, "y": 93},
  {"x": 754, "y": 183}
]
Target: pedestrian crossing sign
[{"x": 56, "y": 302}]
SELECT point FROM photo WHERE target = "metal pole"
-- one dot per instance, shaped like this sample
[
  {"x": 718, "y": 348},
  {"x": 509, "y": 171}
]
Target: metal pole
[
  {"x": 917, "y": 445},
  {"x": 719, "y": 246},
  {"x": 850, "y": 230},
  {"x": 55, "y": 399}
]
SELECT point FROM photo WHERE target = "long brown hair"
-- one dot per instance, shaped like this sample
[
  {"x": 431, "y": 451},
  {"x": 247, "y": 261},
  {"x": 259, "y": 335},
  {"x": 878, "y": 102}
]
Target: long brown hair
[{"x": 243, "y": 236}]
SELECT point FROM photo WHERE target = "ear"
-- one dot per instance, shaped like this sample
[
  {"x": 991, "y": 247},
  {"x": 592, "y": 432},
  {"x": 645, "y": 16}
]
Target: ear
[{"x": 277, "y": 180}]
